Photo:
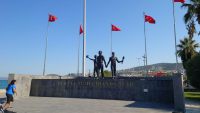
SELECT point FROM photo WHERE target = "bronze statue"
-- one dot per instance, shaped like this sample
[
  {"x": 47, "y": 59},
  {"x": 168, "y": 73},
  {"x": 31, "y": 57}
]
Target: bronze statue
[
  {"x": 113, "y": 61},
  {"x": 100, "y": 61},
  {"x": 95, "y": 65}
]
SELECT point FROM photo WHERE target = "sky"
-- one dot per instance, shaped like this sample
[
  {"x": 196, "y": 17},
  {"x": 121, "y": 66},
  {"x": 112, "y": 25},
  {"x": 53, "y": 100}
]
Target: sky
[{"x": 23, "y": 26}]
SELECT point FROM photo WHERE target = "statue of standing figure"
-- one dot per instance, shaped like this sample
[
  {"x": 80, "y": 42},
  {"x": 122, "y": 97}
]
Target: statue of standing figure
[
  {"x": 95, "y": 71},
  {"x": 113, "y": 61},
  {"x": 100, "y": 61}
]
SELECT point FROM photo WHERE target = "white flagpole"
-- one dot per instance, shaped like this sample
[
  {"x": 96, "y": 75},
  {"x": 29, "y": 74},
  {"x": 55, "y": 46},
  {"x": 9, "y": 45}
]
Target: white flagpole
[
  {"x": 175, "y": 35},
  {"x": 84, "y": 39},
  {"x": 45, "y": 56},
  {"x": 78, "y": 55},
  {"x": 111, "y": 43},
  {"x": 145, "y": 39}
]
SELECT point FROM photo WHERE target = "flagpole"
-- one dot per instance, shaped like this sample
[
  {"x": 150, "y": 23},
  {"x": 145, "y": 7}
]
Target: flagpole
[
  {"x": 78, "y": 55},
  {"x": 145, "y": 39},
  {"x": 84, "y": 39},
  {"x": 45, "y": 56},
  {"x": 111, "y": 43},
  {"x": 175, "y": 35}
]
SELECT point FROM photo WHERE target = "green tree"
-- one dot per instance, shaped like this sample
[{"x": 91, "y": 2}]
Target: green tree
[
  {"x": 193, "y": 71},
  {"x": 191, "y": 29},
  {"x": 107, "y": 73},
  {"x": 187, "y": 49},
  {"x": 193, "y": 12}
]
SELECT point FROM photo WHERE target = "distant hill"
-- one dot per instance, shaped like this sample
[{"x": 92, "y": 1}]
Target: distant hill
[
  {"x": 3, "y": 78},
  {"x": 157, "y": 67}
]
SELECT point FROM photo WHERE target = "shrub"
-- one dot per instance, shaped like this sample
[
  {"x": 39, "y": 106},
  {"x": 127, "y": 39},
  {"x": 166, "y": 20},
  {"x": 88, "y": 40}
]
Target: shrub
[
  {"x": 193, "y": 71},
  {"x": 107, "y": 73}
]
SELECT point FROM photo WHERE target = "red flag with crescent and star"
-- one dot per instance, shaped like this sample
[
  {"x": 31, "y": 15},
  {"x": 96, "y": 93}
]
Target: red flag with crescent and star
[{"x": 115, "y": 28}]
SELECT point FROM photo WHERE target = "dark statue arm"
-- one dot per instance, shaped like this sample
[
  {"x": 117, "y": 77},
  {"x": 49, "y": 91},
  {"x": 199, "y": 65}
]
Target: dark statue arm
[
  {"x": 104, "y": 61},
  {"x": 121, "y": 60},
  {"x": 89, "y": 58},
  {"x": 108, "y": 63}
]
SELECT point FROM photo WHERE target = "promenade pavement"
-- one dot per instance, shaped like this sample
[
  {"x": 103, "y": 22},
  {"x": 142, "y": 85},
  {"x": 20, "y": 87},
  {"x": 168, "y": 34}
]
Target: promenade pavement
[
  {"x": 75, "y": 105},
  {"x": 72, "y": 105}
]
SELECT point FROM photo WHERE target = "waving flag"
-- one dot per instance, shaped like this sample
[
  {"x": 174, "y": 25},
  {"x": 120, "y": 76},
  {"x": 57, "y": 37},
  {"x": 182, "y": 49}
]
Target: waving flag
[
  {"x": 114, "y": 28},
  {"x": 81, "y": 30},
  {"x": 52, "y": 18},
  {"x": 182, "y": 1},
  {"x": 150, "y": 19}
]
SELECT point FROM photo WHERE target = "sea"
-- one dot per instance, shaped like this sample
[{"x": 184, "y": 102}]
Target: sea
[{"x": 3, "y": 84}]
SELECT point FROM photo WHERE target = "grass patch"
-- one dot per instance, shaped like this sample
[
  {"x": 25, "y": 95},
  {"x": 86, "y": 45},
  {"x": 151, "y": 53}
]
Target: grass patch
[{"x": 192, "y": 95}]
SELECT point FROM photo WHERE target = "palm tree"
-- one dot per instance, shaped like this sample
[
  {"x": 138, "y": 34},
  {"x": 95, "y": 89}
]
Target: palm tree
[
  {"x": 191, "y": 29},
  {"x": 193, "y": 13},
  {"x": 187, "y": 49}
]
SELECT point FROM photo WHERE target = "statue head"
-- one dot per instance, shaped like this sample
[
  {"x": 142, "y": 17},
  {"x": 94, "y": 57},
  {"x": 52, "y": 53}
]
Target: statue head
[
  {"x": 113, "y": 53},
  {"x": 95, "y": 56},
  {"x": 100, "y": 52}
]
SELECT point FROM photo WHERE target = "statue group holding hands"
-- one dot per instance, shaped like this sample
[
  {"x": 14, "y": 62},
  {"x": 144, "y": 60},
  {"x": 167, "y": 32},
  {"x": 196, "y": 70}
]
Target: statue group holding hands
[{"x": 99, "y": 62}]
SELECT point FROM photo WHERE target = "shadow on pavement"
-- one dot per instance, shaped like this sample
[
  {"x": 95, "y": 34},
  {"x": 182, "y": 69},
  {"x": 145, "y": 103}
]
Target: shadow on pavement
[
  {"x": 7, "y": 111},
  {"x": 192, "y": 106},
  {"x": 2, "y": 100},
  {"x": 192, "y": 110},
  {"x": 150, "y": 105}
]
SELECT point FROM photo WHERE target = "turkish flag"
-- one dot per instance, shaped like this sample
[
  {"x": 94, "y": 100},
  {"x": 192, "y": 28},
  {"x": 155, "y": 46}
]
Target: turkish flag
[
  {"x": 114, "y": 28},
  {"x": 182, "y": 1},
  {"x": 52, "y": 18},
  {"x": 150, "y": 19},
  {"x": 81, "y": 30}
]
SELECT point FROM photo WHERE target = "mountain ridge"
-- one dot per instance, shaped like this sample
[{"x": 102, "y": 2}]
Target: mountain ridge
[{"x": 157, "y": 67}]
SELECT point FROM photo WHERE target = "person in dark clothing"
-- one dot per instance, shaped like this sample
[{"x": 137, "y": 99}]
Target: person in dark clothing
[
  {"x": 100, "y": 61},
  {"x": 113, "y": 61},
  {"x": 95, "y": 64}
]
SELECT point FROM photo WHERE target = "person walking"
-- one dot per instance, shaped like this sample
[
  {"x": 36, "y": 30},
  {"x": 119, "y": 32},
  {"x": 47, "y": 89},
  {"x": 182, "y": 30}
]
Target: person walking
[{"x": 10, "y": 91}]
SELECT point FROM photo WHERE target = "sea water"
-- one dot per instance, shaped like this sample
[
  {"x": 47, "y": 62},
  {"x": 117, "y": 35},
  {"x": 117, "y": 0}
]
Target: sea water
[{"x": 3, "y": 84}]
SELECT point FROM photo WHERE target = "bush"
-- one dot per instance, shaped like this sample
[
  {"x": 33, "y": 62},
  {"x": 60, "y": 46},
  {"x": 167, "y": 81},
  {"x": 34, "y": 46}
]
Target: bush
[
  {"x": 107, "y": 73},
  {"x": 193, "y": 71}
]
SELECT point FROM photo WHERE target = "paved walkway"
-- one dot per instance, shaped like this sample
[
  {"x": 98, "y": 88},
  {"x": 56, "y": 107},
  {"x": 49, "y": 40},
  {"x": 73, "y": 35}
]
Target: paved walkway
[
  {"x": 192, "y": 106},
  {"x": 72, "y": 105}
]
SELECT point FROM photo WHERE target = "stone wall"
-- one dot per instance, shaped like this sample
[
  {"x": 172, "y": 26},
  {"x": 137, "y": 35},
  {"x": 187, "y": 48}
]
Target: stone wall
[
  {"x": 151, "y": 89},
  {"x": 139, "y": 89},
  {"x": 24, "y": 82}
]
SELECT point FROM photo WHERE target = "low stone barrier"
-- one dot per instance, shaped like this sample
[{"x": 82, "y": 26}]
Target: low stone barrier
[
  {"x": 139, "y": 89},
  {"x": 167, "y": 90},
  {"x": 24, "y": 82}
]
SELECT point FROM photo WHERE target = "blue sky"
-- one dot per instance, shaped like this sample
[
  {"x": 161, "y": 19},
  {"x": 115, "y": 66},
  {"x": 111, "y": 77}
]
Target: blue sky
[{"x": 23, "y": 26}]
